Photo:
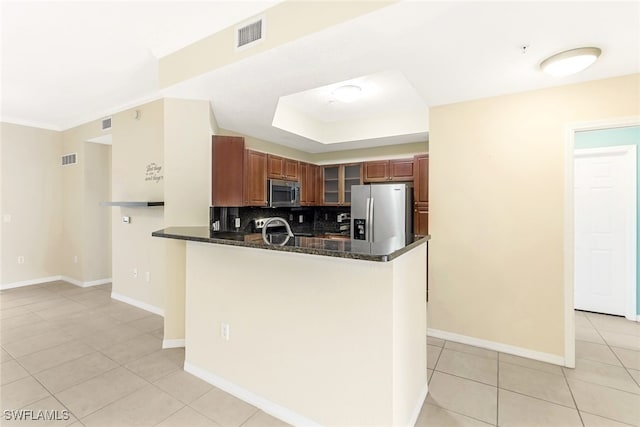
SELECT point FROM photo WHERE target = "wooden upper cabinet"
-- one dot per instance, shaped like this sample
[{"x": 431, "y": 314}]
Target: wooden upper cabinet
[
  {"x": 376, "y": 171},
  {"x": 308, "y": 176},
  {"x": 388, "y": 170},
  {"x": 227, "y": 177},
  {"x": 255, "y": 178},
  {"x": 291, "y": 169},
  {"x": 421, "y": 179},
  {"x": 401, "y": 170},
  {"x": 275, "y": 166},
  {"x": 282, "y": 168}
]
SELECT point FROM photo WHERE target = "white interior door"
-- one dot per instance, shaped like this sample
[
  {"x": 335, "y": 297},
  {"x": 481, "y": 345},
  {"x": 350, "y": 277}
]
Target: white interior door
[{"x": 605, "y": 230}]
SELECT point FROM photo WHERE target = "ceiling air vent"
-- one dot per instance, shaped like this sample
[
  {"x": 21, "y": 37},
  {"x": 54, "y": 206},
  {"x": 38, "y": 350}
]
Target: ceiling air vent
[
  {"x": 250, "y": 33},
  {"x": 106, "y": 123},
  {"x": 69, "y": 159}
]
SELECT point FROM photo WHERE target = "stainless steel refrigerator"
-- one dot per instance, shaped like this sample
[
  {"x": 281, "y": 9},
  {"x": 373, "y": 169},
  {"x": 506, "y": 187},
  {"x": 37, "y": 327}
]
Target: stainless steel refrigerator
[{"x": 381, "y": 217}]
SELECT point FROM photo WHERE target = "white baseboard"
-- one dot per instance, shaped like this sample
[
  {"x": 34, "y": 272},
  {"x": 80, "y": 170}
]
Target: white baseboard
[
  {"x": 175, "y": 343},
  {"x": 134, "y": 302},
  {"x": 53, "y": 279},
  {"x": 267, "y": 406},
  {"x": 416, "y": 410},
  {"x": 496, "y": 346},
  {"x": 30, "y": 282},
  {"x": 86, "y": 284}
]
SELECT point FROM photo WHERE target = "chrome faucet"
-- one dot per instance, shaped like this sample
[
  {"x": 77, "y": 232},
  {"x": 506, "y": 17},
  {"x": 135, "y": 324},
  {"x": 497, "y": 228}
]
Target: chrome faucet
[{"x": 282, "y": 221}]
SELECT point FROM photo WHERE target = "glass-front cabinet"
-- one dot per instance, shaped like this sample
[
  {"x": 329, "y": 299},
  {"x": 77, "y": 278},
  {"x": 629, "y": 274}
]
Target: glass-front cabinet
[
  {"x": 337, "y": 183},
  {"x": 331, "y": 187}
]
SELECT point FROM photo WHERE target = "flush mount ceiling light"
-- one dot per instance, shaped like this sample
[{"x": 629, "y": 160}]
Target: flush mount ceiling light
[
  {"x": 347, "y": 93},
  {"x": 570, "y": 61}
]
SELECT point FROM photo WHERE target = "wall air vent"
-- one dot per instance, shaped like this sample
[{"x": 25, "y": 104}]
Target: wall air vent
[
  {"x": 249, "y": 33},
  {"x": 106, "y": 123},
  {"x": 69, "y": 159}
]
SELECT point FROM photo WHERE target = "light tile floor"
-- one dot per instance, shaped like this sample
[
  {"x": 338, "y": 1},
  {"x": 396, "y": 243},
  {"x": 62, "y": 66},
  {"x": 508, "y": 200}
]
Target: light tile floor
[{"x": 76, "y": 349}]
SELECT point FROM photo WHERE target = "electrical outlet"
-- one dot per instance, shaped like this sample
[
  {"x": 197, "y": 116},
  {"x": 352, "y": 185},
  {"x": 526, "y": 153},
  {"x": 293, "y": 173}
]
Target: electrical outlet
[
  {"x": 224, "y": 331},
  {"x": 126, "y": 219},
  {"x": 75, "y": 259},
  {"x": 301, "y": 219},
  {"x": 135, "y": 273},
  {"x": 21, "y": 259},
  {"x": 147, "y": 277},
  {"x": 290, "y": 217},
  {"x": 237, "y": 222}
]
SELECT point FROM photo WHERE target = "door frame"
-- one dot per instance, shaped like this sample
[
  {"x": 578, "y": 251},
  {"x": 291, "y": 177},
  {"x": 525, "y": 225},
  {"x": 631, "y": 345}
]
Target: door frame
[{"x": 569, "y": 313}]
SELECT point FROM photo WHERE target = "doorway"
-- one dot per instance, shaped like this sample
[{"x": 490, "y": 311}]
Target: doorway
[
  {"x": 605, "y": 230},
  {"x": 572, "y": 131}
]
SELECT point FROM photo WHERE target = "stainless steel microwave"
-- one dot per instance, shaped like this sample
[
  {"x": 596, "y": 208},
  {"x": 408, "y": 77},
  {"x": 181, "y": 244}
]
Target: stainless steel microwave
[{"x": 283, "y": 193}]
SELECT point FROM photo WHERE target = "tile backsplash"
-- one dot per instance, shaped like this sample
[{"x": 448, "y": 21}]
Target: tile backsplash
[{"x": 314, "y": 219}]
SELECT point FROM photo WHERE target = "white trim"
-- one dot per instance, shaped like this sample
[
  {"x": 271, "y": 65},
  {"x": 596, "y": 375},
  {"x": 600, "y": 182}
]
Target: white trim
[
  {"x": 569, "y": 310},
  {"x": 134, "y": 302},
  {"x": 30, "y": 282},
  {"x": 30, "y": 123},
  {"x": 496, "y": 346},
  {"x": 260, "y": 402},
  {"x": 174, "y": 343},
  {"x": 569, "y": 247},
  {"x": 53, "y": 279},
  {"x": 628, "y": 152},
  {"x": 97, "y": 282},
  {"x": 416, "y": 410},
  {"x": 82, "y": 284}
]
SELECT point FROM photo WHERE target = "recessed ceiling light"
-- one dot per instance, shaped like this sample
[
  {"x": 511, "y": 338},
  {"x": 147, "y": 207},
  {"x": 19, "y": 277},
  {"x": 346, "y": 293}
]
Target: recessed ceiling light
[
  {"x": 570, "y": 61},
  {"x": 347, "y": 93}
]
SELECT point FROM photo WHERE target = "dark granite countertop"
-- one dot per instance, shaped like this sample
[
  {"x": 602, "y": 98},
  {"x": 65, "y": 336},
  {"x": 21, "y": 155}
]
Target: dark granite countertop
[{"x": 326, "y": 245}]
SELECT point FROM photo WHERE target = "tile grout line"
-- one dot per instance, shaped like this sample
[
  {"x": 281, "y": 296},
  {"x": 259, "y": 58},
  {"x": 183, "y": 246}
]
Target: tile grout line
[
  {"x": 250, "y": 416},
  {"x": 564, "y": 375},
  {"x": 95, "y": 350},
  {"x": 614, "y": 353},
  {"x": 459, "y": 413},
  {"x": 48, "y": 391}
]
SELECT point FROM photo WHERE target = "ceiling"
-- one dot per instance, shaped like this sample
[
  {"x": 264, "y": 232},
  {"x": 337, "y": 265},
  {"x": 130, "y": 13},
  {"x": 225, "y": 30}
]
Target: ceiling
[{"x": 66, "y": 63}]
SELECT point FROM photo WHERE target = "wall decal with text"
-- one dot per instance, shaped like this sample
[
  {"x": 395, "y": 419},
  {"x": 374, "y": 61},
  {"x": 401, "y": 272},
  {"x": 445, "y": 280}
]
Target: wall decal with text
[{"x": 153, "y": 173}]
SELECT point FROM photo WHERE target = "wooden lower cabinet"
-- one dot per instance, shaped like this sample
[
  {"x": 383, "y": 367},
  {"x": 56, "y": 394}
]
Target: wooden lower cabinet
[{"x": 421, "y": 219}]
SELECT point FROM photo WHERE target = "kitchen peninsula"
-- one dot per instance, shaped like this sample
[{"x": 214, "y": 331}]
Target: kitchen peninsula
[{"x": 311, "y": 332}]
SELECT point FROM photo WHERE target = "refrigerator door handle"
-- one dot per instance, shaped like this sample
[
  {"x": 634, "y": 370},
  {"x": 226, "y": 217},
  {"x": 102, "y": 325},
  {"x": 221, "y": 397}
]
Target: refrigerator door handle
[
  {"x": 370, "y": 214},
  {"x": 366, "y": 220}
]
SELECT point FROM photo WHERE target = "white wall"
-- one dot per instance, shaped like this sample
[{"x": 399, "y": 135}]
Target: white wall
[
  {"x": 187, "y": 189},
  {"x": 136, "y": 144},
  {"x": 32, "y": 196},
  {"x": 337, "y": 341},
  {"x": 497, "y": 202},
  {"x": 96, "y": 245}
]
